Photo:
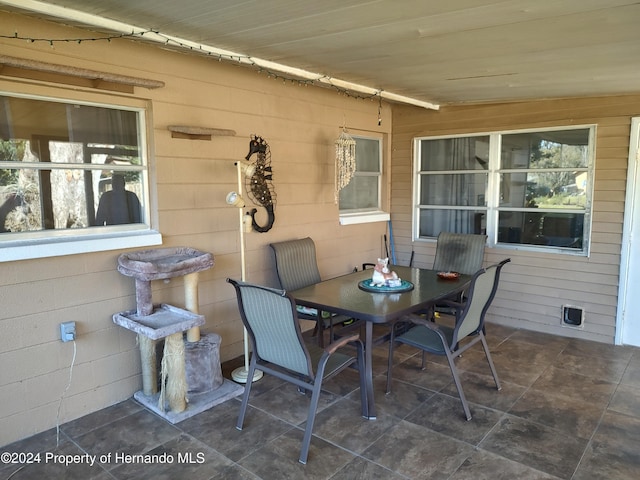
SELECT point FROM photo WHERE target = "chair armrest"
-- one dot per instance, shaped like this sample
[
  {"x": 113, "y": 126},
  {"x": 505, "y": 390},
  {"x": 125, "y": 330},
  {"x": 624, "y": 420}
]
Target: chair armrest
[
  {"x": 333, "y": 346},
  {"x": 433, "y": 326}
]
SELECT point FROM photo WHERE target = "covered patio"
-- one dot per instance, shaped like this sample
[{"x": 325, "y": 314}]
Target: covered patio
[
  {"x": 567, "y": 410},
  {"x": 569, "y": 407}
]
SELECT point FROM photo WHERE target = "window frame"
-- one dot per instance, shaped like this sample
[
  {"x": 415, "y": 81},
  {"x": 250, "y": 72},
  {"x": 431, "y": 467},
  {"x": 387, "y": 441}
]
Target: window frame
[
  {"x": 57, "y": 242},
  {"x": 494, "y": 171},
  {"x": 368, "y": 214}
]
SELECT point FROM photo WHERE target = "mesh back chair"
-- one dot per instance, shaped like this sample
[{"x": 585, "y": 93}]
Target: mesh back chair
[
  {"x": 438, "y": 339},
  {"x": 458, "y": 252},
  {"x": 297, "y": 267},
  {"x": 278, "y": 349}
]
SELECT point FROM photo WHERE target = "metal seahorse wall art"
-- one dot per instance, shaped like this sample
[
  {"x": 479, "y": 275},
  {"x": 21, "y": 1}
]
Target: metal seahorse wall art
[{"x": 259, "y": 185}]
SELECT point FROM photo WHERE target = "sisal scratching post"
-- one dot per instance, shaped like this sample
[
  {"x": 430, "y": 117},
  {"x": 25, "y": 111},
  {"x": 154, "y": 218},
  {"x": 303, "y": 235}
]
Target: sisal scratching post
[
  {"x": 148, "y": 359},
  {"x": 147, "y": 345},
  {"x": 174, "y": 379},
  {"x": 191, "y": 301}
]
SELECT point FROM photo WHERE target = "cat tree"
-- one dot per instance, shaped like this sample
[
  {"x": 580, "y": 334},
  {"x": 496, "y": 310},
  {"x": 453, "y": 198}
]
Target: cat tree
[{"x": 191, "y": 378}]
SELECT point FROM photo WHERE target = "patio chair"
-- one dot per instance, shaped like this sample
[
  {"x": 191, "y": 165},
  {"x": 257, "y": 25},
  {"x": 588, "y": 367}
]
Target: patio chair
[
  {"x": 451, "y": 342},
  {"x": 278, "y": 349},
  {"x": 297, "y": 267},
  {"x": 458, "y": 252}
]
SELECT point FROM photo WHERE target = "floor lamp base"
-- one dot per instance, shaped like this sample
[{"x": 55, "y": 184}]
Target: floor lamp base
[{"x": 241, "y": 375}]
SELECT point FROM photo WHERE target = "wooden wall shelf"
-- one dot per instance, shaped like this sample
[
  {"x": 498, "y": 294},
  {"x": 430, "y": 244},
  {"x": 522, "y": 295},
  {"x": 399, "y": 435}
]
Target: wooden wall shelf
[
  {"x": 51, "y": 72},
  {"x": 198, "y": 133}
]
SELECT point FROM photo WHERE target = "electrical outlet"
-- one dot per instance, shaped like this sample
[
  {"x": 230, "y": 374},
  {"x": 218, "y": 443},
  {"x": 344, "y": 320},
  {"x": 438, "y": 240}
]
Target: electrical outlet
[{"x": 68, "y": 331}]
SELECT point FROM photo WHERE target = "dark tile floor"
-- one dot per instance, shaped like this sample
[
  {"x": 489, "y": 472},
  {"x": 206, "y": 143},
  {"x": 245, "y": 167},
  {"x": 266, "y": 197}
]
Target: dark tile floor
[{"x": 568, "y": 409}]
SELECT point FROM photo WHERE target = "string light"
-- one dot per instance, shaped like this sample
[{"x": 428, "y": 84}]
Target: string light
[
  {"x": 284, "y": 78},
  {"x": 244, "y": 59},
  {"x": 52, "y": 41}
]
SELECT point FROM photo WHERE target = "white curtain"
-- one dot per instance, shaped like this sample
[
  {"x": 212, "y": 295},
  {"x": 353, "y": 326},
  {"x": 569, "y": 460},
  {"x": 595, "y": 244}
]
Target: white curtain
[{"x": 448, "y": 189}]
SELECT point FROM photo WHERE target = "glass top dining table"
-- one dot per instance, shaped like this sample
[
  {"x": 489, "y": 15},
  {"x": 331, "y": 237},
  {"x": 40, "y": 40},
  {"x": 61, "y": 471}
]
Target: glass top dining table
[{"x": 345, "y": 295}]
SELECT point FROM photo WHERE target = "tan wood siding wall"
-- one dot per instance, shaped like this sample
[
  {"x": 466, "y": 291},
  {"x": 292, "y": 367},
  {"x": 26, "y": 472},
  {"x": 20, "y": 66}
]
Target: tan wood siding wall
[
  {"x": 191, "y": 179},
  {"x": 535, "y": 285}
]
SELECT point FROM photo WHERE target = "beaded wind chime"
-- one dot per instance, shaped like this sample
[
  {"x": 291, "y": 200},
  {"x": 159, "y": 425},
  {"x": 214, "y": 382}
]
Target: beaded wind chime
[{"x": 345, "y": 161}]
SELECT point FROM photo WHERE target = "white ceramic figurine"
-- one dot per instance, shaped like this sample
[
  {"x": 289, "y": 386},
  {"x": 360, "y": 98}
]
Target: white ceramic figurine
[{"x": 382, "y": 276}]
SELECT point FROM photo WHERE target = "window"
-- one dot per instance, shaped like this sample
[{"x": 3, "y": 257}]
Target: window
[
  {"x": 452, "y": 179},
  {"x": 530, "y": 188},
  {"x": 73, "y": 178},
  {"x": 361, "y": 200}
]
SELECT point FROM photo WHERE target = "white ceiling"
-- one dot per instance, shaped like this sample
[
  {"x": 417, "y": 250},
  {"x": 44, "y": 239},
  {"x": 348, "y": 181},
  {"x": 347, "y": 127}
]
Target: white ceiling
[{"x": 440, "y": 51}]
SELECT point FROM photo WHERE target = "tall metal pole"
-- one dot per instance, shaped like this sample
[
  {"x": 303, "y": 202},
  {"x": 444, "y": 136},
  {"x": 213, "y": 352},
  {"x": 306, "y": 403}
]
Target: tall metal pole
[{"x": 241, "y": 374}]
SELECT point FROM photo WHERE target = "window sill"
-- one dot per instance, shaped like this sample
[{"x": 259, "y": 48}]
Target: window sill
[
  {"x": 368, "y": 217},
  {"x": 56, "y": 247}
]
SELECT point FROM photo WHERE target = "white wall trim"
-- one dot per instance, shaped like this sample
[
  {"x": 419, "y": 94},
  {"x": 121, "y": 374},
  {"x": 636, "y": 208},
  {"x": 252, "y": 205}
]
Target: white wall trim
[
  {"x": 626, "y": 332},
  {"x": 354, "y": 218},
  {"x": 70, "y": 246}
]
